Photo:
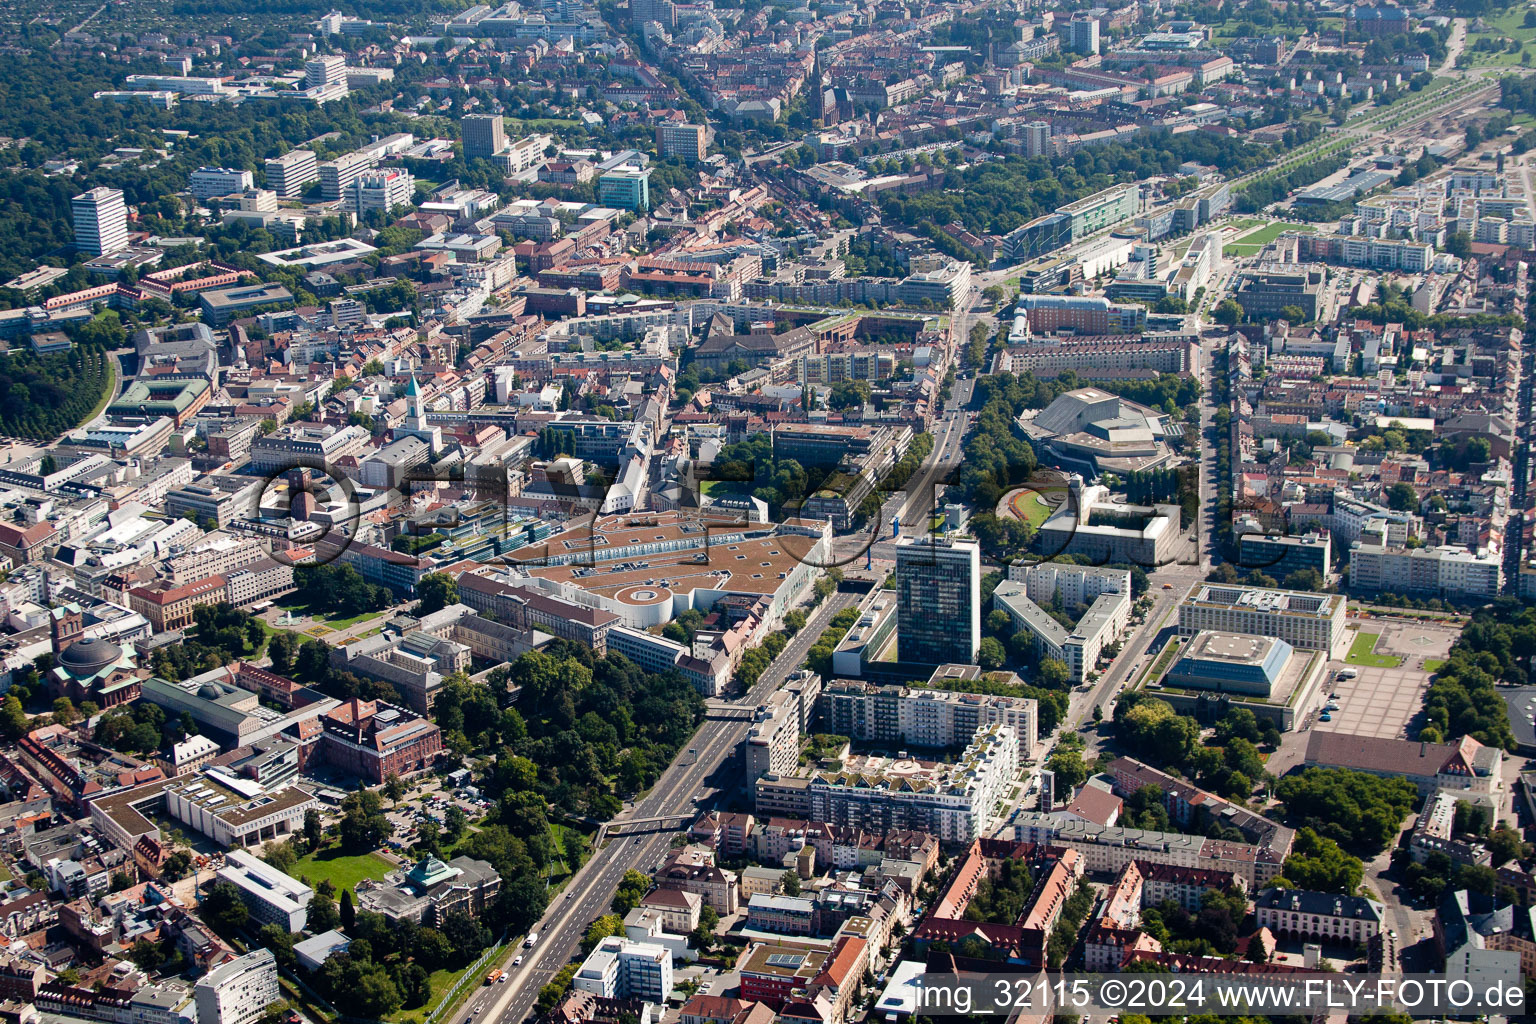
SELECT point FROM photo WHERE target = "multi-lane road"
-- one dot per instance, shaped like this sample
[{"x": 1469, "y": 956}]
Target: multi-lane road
[{"x": 709, "y": 765}]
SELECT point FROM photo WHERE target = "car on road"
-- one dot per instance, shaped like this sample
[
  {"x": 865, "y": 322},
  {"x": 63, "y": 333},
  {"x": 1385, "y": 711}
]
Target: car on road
[{"x": 517, "y": 961}]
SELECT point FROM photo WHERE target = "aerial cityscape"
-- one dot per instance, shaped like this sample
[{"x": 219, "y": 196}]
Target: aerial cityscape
[{"x": 748, "y": 512}]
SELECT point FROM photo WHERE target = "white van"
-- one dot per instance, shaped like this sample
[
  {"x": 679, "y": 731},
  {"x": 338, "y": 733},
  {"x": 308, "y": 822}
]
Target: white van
[{"x": 1347, "y": 673}]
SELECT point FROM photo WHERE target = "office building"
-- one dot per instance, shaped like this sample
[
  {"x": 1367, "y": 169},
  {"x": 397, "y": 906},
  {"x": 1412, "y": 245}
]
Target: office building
[
  {"x": 382, "y": 191},
  {"x": 1264, "y": 293},
  {"x": 689, "y": 142},
  {"x": 271, "y": 896},
  {"x": 337, "y": 176},
  {"x": 330, "y": 69},
  {"x": 938, "y": 600},
  {"x": 1279, "y": 556},
  {"x": 101, "y": 221},
  {"x": 621, "y": 969},
  {"x": 1311, "y": 622},
  {"x": 628, "y": 188},
  {"x": 238, "y": 991},
  {"x": 484, "y": 136},
  {"x": 208, "y": 182},
  {"x": 288, "y": 174}
]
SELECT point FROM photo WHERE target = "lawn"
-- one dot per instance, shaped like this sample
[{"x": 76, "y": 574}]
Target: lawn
[
  {"x": 1253, "y": 241},
  {"x": 1434, "y": 664},
  {"x": 344, "y": 871},
  {"x": 1363, "y": 652},
  {"x": 1031, "y": 507},
  {"x": 334, "y": 622}
]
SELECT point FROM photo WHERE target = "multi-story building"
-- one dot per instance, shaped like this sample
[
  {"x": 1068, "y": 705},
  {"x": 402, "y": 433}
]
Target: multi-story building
[
  {"x": 1279, "y": 555},
  {"x": 953, "y": 803},
  {"x": 938, "y": 600},
  {"x": 374, "y": 741},
  {"x": 772, "y": 744},
  {"x": 1185, "y": 887},
  {"x": 315, "y": 448},
  {"x": 693, "y": 869},
  {"x": 271, "y": 896},
  {"x": 208, "y": 182},
  {"x": 621, "y": 969},
  {"x": 689, "y": 142},
  {"x": 1264, "y": 293},
  {"x": 204, "y": 503},
  {"x": 327, "y": 69},
  {"x": 1106, "y": 592},
  {"x": 1083, "y": 33},
  {"x": 1108, "y": 849},
  {"x": 431, "y": 890},
  {"x": 288, "y": 174},
  {"x": 262, "y": 580},
  {"x": 382, "y": 191},
  {"x": 1403, "y": 255},
  {"x": 1467, "y": 768},
  {"x": 238, "y": 991},
  {"x": 484, "y": 135},
  {"x": 628, "y": 188},
  {"x": 337, "y": 176},
  {"x": 1447, "y": 571},
  {"x": 101, "y": 221},
  {"x": 1312, "y": 622},
  {"x": 169, "y": 608},
  {"x": 897, "y": 715},
  {"x": 1322, "y": 916}
]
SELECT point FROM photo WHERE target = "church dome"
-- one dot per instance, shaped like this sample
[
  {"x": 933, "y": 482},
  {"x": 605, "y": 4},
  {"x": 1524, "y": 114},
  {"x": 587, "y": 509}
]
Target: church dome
[{"x": 88, "y": 656}]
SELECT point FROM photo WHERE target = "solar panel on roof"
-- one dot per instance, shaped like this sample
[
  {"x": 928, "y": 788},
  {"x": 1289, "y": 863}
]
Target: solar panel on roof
[{"x": 789, "y": 960}]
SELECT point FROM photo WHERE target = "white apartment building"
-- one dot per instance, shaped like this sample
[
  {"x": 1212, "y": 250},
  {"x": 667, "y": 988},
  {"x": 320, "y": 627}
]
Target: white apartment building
[
  {"x": 271, "y": 896},
  {"x": 101, "y": 221},
  {"x": 621, "y": 969},
  {"x": 1107, "y": 592},
  {"x": 1446, "y": 571},
  {"x": 337, "y": 176},
  {"x": 952, "y": 804},
  {"x": 1312, "y": 622},
  {"x": 382, "y": 191},
  {"x": 238, "y": 991},
  {"x": 208, "y": 182},
  {"x": 922, "y": 717},
  {"x": 288, "y": 174}
]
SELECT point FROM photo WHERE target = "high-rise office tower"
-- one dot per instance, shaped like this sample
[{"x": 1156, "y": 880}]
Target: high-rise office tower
[
  {"x": 101, "y": 221},
  {"x": 688, "y": 141},
  {"x": 938, "y": 600},
  {"x": 325, "y": 70},
  {"x": 288, "y": 174},
  {"x": 484, "y": 136}
]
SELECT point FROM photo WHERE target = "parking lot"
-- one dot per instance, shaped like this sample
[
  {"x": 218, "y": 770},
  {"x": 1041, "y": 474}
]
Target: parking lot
[{"x": 1382, "y": 701}]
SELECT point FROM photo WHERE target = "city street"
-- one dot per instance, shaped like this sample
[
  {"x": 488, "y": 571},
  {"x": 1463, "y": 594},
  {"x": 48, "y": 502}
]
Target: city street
[{"x": 708, "y": 766}]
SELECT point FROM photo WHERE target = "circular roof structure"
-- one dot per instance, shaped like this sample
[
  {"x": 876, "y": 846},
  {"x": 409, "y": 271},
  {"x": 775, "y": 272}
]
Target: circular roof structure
[{"x": 89, "y": 656}]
